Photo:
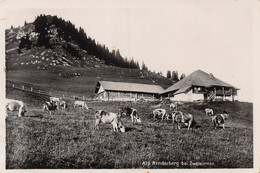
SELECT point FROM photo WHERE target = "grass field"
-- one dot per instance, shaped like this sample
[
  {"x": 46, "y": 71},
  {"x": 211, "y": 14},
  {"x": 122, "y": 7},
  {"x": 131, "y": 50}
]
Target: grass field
[
  {"x": 67, "y": 139},
  {"x": 61, "y": 80}
]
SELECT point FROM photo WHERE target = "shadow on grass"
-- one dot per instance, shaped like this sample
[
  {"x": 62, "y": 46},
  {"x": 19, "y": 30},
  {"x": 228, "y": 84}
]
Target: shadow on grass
[
  {"x": 35, "y": 116},
  {"x": 220, "y": 127},
  {"x": 129, "y": 129}
]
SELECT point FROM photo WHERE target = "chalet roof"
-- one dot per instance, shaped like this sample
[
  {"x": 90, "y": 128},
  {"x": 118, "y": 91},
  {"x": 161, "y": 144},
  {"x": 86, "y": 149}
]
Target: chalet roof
[
  {"x": 131, "y": 87},
  {"x": 197, "y": 78},
  {"x": 183, "y": 90}
]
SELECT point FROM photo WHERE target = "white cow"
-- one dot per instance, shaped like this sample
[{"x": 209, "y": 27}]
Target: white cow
[
  {"x": 63, "y": 105},
  {"x": 81, "y": 104},
  {"x": 55, "y": 99},
  {"x": 16, "y": 105},
  {"x": 109, "y": 118},
  {"x": 179, "y": 117},
  {"x": 160, "y": 113}
]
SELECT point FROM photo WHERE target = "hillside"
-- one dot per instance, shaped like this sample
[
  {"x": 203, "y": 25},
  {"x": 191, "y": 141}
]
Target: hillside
[
  {"x": 49, "y": 55},
  {"x": 52, "y": 41},
  {"x": 41, "y": 57}
]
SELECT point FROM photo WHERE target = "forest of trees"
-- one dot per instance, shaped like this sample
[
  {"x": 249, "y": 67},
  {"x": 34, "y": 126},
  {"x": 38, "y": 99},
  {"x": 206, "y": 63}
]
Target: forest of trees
[
  {"x": 76, "y": 38},
  {"x": 68, "y": 32}
]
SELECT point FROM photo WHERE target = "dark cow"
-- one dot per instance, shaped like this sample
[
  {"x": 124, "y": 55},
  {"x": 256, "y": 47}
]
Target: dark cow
[
  {"x": 209, "y": 112},
  {"x": 220, "y": 119},
  {"x": 132, "y": 113},
  {"x": 176, "y": 118},
  {"x": 173, "y": 106},
  {"x": 49, "y": 106},
  {"x": 109, "y": 118}
]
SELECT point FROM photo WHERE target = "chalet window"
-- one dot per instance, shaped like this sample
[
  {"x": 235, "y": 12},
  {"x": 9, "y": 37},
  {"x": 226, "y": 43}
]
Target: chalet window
[{"x": 195, "y": 89}]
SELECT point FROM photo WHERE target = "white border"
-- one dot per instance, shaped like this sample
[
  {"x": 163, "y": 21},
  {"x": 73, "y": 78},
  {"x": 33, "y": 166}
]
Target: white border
[{"x": 28, "y": 4}]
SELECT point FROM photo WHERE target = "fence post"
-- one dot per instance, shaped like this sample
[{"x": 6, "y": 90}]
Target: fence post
[
  {"x": 74, "y": 97},
  {"x": 23, "y": 87},
  {"x": 31, "y": 88},
  {"x": 13, "y": 85}
]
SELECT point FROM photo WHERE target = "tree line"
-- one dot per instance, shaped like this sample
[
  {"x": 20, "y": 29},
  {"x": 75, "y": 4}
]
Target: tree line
[
  {"x": 174, "y": 75},
  {"x": 69, "y": 33}
]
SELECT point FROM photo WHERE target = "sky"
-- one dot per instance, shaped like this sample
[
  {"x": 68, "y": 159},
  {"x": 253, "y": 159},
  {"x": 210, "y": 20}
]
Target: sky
[{"x": 215, "y": 36}]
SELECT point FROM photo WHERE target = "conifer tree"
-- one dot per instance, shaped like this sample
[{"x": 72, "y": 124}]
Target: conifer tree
[
  {"x": 182, "y": 76},
  {"x": 175, "y": 76},
  {"x": 168, "y": 75}
]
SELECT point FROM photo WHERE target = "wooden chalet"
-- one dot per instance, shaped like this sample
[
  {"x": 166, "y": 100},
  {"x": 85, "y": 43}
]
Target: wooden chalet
[
  {"x": 200, "y": 86},
  {"x": 121, "y": 91}
]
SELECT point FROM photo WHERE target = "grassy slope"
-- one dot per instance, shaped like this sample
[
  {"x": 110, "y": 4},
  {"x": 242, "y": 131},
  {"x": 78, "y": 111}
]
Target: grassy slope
[
  {"x": 68, "y": 140},
  {"x": 61, "y": 80}
]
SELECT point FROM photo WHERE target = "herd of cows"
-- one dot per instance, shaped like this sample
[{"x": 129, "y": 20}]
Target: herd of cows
[
  {"x": 179, "y": 118},
  {"x": 57, "y": 103}
]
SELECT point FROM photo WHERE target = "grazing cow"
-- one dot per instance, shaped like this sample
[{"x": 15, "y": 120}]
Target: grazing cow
[
  {"x": 176, "y": 118},
  {"x": 63, "y": 105},
  {"x": 81, "y": 104},
  {"x": 220, "y": 119},
  {"x": 132, "y": 113},
  {"x": 179, "y": 117},
  {"x": 109, "y": 118},
  {"x": 55, "y": 99},
  {"x": 16, "y": 105},
  {"x": 160, "y": 113},
  {"x": 49, "y": 106},
  {"x": 188, "y": 119},
  {"x": 173, "y": 106},
  {"x": 209, "y": 112}
]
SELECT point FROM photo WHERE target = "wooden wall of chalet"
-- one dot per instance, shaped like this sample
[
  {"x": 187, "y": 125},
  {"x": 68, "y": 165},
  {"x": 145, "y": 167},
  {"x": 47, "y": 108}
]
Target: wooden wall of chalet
[{"x": 117, "y": 95}]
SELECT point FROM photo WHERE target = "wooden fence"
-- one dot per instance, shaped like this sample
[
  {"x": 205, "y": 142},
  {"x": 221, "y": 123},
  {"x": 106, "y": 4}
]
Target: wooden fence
[{"x": 35, "y": 89}]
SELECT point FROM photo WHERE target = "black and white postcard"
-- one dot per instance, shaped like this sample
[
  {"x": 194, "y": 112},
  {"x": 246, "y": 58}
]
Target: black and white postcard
[{"x": 132, "y": 86}]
